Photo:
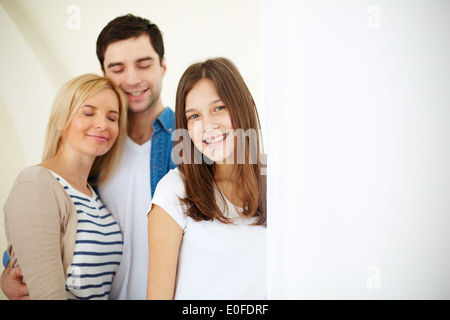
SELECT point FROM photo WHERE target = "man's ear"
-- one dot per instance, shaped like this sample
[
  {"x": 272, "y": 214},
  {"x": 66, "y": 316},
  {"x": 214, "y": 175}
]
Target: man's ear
[{"x": 164, "y": 66}]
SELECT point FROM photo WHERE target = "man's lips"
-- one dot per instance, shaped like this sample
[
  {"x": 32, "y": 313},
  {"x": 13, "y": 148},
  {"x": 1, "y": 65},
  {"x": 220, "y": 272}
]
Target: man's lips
[
  {"x": 136, "y": 94},
  {"x": 98, "y": 137}
]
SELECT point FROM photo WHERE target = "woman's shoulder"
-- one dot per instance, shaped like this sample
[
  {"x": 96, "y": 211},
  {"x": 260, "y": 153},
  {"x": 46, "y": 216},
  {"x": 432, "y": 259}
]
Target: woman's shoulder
[
  {"x": 35, "y": 190},
  {"x": 34, "y": 173},
  {"x": 37, "y": 177}
]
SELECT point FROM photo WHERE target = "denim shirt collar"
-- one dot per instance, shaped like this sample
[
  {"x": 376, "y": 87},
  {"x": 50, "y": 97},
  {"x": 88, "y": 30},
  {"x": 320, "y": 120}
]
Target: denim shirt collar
[{"x": 165, "y": 121}]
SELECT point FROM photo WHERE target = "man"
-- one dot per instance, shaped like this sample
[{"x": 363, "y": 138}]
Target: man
[{"x": 131, "y": 53}]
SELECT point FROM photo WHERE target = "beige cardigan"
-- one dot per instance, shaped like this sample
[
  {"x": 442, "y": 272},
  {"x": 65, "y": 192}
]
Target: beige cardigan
[{"x": 41, "y": 227}]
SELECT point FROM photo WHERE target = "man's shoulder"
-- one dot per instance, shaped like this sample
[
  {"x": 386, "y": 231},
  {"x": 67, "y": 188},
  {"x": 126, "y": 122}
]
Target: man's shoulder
[{"x": 167, "y": 119}]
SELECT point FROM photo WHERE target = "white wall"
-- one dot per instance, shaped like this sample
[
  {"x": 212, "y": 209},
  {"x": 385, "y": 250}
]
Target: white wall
[
  {"x": 358, "y": 95},
  {"x": 45, "y": 43}
]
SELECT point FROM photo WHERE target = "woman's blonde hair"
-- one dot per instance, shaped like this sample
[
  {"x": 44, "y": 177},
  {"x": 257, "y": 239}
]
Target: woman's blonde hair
[{"x": 66, "y": 104}]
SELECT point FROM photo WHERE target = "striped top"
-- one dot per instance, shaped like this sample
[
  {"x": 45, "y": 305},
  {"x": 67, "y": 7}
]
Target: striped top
[{"x": 98, "y": 247}]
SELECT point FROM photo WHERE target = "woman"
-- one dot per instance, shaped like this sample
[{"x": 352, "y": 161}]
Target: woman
[
  {"x": 207, "y": 224},
  {"x": 65, "y": 241}
]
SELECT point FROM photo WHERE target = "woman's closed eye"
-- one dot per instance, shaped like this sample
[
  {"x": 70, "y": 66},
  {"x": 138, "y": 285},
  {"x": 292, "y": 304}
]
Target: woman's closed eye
[{"x": 113, "y": 117}]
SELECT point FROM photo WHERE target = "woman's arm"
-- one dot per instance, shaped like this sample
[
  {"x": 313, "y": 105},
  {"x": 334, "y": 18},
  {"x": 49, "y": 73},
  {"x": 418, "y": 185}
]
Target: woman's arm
[
  {"x": 33, "y": 229},
  {"x": 164, "y": 240}
]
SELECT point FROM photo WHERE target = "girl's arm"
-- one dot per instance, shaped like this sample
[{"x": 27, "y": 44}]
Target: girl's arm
[{"x": 164, "y": 240}]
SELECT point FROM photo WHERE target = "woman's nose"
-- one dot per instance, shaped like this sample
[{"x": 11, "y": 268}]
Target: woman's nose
[{"x": 102, "y": 123}]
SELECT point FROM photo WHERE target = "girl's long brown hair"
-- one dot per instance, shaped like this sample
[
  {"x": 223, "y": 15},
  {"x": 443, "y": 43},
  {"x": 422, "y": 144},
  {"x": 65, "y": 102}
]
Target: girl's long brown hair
[{"x": 200, "y": 186}]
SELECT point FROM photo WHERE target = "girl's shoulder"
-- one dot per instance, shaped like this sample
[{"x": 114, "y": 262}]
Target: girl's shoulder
[
  {"x": 173, "y": 180},
  {"x": 168, "y": 194}
]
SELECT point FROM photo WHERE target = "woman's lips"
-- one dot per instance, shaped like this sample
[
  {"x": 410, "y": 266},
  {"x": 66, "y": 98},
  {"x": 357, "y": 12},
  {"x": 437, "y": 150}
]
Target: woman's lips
[{"x": 98, "y": 137}]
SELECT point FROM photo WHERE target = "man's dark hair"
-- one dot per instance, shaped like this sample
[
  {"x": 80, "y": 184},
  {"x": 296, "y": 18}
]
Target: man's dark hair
[{"x": 126, "y": 27}]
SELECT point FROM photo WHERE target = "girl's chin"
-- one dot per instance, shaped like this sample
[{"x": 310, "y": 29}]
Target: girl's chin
[{"x": 218, "y": 158}]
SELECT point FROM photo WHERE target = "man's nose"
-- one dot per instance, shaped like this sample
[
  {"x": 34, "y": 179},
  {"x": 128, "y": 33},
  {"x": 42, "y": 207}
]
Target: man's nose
[{"x": 132, "y": 77}]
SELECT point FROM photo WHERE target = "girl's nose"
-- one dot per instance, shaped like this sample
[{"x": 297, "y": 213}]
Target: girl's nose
[{"x": 209, "y": 124}]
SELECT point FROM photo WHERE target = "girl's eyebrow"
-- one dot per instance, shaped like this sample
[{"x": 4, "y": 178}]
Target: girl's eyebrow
[
  {"x": 215, "y": 101},
  {"x": 210, "y": 104},
  {"x": 190, "y": 110}
]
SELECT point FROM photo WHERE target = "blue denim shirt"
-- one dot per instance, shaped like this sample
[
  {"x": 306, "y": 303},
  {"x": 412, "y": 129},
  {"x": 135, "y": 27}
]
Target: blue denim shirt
[
  {"x": 160, "y": 154},
  {"x": 161, "y": 150}
]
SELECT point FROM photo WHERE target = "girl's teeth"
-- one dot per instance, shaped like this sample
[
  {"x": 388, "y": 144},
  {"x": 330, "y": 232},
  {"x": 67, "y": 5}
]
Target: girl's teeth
[{"x": 215, "y": 139}]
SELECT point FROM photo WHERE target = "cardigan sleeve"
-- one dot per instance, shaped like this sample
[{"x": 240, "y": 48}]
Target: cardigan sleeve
[{"x": 33, "y": 227}]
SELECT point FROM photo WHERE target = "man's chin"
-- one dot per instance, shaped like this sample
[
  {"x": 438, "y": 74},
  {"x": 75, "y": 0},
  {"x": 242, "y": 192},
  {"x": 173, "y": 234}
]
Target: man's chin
[{"x": 136, "y": 109}]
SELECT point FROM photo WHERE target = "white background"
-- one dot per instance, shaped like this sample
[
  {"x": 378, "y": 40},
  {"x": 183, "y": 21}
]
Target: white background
[{"x": 358, "y": 93}]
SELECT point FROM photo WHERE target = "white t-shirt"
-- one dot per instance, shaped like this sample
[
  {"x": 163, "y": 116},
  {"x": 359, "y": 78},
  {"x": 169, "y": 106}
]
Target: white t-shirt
[
  {"x": 127, "y": 195},
  {"x": 217, "y": 260}
]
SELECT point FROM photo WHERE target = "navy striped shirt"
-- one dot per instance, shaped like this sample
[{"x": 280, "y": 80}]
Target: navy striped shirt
[{"x": 98, "y": 247}]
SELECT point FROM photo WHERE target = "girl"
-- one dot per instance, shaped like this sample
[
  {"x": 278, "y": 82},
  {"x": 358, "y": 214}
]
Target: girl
[
  {"x": 207, "y": 224},
  {"x": 63, "y": 238}
]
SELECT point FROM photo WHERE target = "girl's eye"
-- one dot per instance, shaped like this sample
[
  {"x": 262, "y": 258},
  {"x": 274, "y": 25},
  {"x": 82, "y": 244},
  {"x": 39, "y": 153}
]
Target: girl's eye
[
  {"x": 88, "y": 114},
  {"x": 192, "y": 117},
  {"x": 219, "y": 108}
]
